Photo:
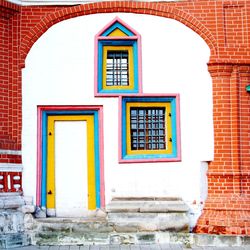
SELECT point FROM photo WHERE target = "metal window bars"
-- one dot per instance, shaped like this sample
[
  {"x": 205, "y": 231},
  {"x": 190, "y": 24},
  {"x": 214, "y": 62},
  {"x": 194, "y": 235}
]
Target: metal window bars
[
  {"x": 117, "y": 68},
  {"x": 148, "y": 128}
]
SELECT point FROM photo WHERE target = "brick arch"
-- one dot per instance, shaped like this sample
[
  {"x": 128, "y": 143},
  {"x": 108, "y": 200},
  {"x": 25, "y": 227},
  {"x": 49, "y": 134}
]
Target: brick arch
[{"x": 156, "y": 9}]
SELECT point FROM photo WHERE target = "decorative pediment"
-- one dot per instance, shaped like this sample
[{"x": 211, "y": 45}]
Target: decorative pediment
[{"x": 117, "y": 28}]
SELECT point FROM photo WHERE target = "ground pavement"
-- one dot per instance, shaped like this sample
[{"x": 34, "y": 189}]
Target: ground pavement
[{"x": 134, "y": 247}]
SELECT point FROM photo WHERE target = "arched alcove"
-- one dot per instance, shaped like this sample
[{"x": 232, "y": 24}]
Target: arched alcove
[{"x": 60, "y": 71}]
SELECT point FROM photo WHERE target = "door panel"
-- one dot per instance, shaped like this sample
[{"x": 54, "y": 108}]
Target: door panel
[{"x": 71, "y": 179}]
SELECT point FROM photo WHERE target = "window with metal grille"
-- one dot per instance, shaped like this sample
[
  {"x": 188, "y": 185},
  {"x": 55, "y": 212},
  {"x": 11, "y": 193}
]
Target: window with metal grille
[
  {"x": 147, "y": 128},
  {"x": 117, "y": 68}
]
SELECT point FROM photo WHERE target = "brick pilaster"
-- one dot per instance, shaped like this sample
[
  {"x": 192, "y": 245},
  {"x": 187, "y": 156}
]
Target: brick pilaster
[{"x": 227, "y": 209}]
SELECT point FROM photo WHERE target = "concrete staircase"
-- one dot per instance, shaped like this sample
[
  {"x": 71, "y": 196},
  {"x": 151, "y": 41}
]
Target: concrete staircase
[
  {"x": 127, "y": 220},
  {"x": 145, "y": 214}
]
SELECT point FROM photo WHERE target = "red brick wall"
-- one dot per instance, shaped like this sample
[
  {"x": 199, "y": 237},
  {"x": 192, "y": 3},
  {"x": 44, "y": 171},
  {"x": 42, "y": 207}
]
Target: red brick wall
[
  {"x": 10, "y": 87},
  {"x": 224, "y": 25},
  {"x": 4, "y": 76},
  {"x": 244, "y": 131}
]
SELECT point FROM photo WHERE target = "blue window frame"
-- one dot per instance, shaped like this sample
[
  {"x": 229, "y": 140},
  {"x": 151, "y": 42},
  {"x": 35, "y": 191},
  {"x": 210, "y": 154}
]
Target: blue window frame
[{"x": 149, "y": 128}]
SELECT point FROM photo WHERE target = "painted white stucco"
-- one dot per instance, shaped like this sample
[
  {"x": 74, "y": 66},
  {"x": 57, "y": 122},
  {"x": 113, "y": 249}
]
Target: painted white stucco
[
  {"x": 60, "y": 71},
  {"x": 71, "y": 164}
]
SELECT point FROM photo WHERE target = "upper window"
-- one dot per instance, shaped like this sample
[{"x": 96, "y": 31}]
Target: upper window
[
  {"x": 117, "y": 66},
  {"x": 150, "y": 128}
]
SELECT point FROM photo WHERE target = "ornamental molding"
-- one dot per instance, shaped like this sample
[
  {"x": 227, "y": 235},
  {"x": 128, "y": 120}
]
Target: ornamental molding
[
  {"x": 11, "y": 167},
  {"x": 10, "y": 152},
  {"x": 226, "y": 69}
]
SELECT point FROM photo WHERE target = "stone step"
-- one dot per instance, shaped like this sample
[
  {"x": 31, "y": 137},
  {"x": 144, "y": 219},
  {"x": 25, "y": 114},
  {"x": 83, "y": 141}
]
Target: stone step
[
  {"x": 67, "y": 231},
  {"x": 149, "y": 222},
  {"x": 72, "y": 225},
  {"x": 146, "y": 198},
  {"x": 113, "y": 239},
  {"x": 63, "y": 238},
  {"x": 11, "y": 201},
  {"x": 149, "y": 206}
]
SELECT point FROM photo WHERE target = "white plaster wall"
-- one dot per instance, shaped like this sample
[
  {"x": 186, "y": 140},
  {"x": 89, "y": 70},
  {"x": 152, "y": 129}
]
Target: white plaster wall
[
  {"x": 71, "y": 164},
  {"x": 60, "y": 70}
]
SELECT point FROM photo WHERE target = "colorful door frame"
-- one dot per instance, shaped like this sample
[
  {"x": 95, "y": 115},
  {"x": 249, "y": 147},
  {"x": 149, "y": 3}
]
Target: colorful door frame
[
  {"x": 96, "y": 173},
  {"x": 51, "y": 183}
]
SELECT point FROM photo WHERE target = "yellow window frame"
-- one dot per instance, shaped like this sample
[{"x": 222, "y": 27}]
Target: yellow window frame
[
  {"x": 168, "y": 127},
  {"x": 130, "y": 69}
]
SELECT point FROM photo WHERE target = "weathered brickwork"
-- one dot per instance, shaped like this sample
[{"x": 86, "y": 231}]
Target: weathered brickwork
[
  {"x": 224, "y": 25},
  {"x": 10, "y": 158}
]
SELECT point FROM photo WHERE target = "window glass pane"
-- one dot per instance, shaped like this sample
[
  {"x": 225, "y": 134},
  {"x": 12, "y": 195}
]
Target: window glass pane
[
  {"x": 148, "y": 128},
  {"x": 117, "y": 68}
]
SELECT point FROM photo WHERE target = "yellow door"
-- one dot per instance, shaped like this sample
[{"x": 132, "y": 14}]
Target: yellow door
[{"x": 70, "y": 165}]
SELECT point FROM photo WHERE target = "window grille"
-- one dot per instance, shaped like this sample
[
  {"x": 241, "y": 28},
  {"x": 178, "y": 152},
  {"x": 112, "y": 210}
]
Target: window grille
[
  {"x": 117, "y": 68},
  {"x": 148, "y": 128}
]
